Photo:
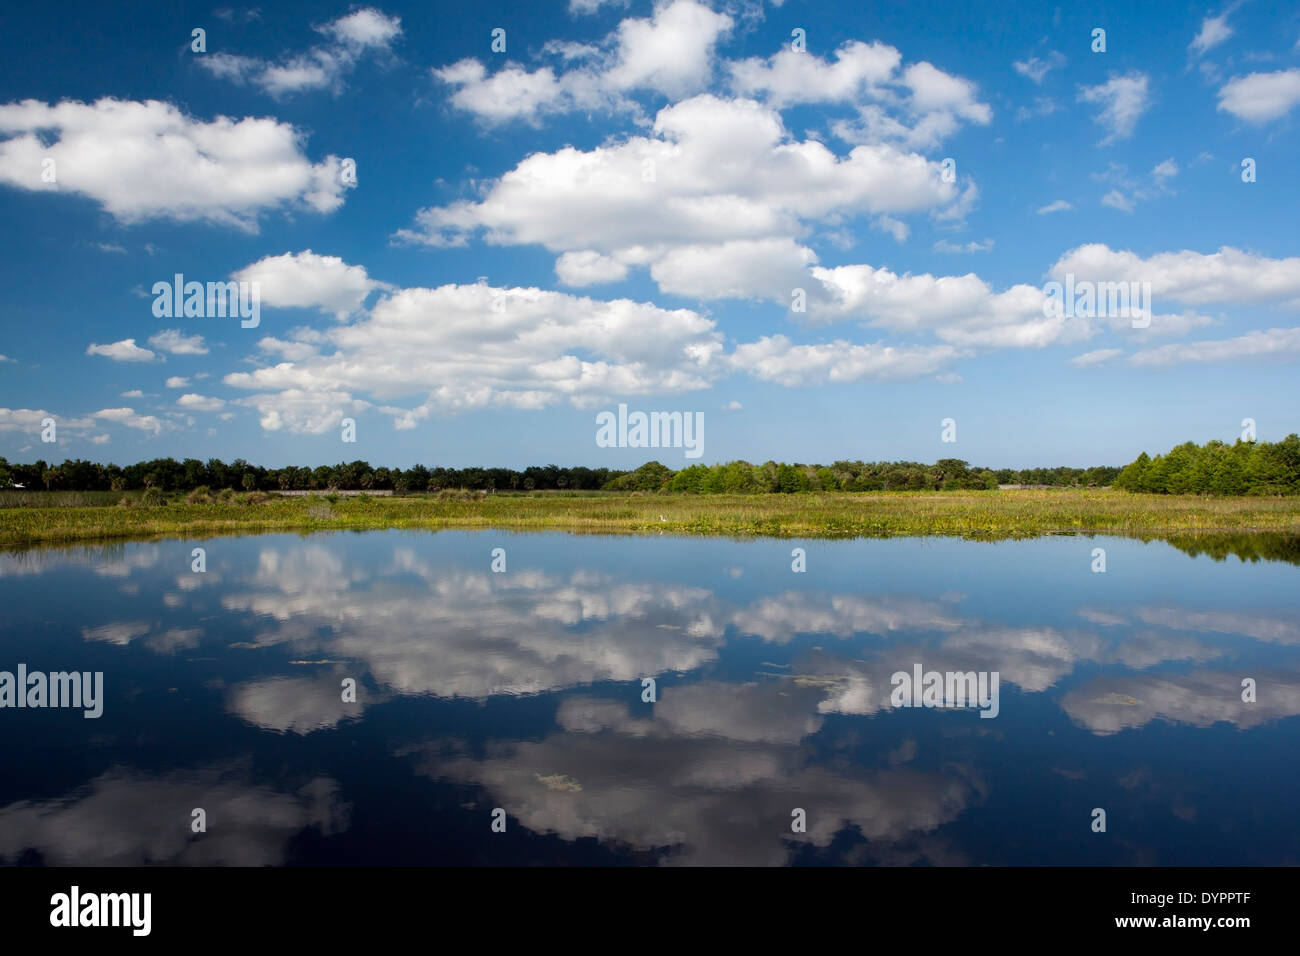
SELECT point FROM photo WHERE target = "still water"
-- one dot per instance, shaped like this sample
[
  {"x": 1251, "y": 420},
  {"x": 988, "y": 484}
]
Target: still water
[{"x": 522, "y": 696}]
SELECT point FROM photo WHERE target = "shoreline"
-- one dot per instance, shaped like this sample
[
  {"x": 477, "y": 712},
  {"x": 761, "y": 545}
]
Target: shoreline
[{"x": 991, "y": 515}]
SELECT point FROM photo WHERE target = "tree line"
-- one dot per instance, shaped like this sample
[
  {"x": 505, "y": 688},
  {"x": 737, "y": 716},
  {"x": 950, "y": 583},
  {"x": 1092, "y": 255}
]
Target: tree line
[
  {"x": 1217, "y": 468},
  {"x": 1243, "y": 468},
  {"x": 736, "y": 477}
]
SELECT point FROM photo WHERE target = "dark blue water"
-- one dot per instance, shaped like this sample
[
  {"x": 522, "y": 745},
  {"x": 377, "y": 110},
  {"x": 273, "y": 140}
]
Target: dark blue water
[{"x": 523, "y": 692}]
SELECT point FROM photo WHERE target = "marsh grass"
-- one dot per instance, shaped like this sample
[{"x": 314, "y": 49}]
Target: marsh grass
[{"x": 61, "y": 518}]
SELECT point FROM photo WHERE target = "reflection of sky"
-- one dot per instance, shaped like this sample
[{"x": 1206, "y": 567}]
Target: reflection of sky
[{"x": 773, "y": 688}]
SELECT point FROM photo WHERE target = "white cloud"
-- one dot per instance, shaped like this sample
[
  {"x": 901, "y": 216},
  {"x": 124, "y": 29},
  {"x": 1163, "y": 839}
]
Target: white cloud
[
  {"x": 419, "y": 352},
  {"x": 515, "y": 93},
  {"x": 307, "y": 280},
  {"x": 1165, "y": 170},
  {"x": 29, "y": 420},
  {"x": 719, "y": 171},
  {"x": 580, "y": 7},
  {"x": 1214, "y": 30},
  {"x": 321, "y": 67},
  {"x": 177, "y": 343},
  {"x": 128, "y": 417},
  {"x": 177, "y": 381},
  {"x": 1117, "y": 200},
  {"x": 982, "y": 245},
  {"x": 1260, "y": 97},
  {"x": 1095, "y": 357},
  {"x": 1280, "y": 345},
  {"x": 364, "y": 29},
  {"x": 453, "y": 350},
  {"x": 962, "y": 310},
  {"x": 917, "y": 107},
  {"x": 894, "y": 227},
  {"x": 1036, "y": 69},
  {"x": 740, "y": 269},
  {"x": 859, "y": 71},
  {"x": 1121, "y": 100},
  {"x": 200, "y": 403},
  {"x": 935, "y": 105},
  {"x": 670, "y": 53},
  {"x": 123, "y": 351},
  {"x": 1057, "y": 205},
  {"x": 776, "y": 359},
  {"x": 148, "y": 160},
  {"x": 1229, "y": 276},
  {"x": 589, "y": 268},
  {"x": 133, "y": 393}
]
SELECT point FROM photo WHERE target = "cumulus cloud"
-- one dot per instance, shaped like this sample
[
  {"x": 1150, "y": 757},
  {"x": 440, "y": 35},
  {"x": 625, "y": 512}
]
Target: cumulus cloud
[
  {"x": 29, "y": 420},
  {"x": 961, "y": 310},
  {"x": 1037, "y": 69},
  {"x": 934, "y": 107},
  {"x": 737, "y": 269},
  {"x": 1120, "y": 103},
  {"x": 858, "y": 71},
  {"x": 479, "y": 347},
  {"x": 365, "y": 31},
  {"x": 981, "y": 245},
  {"x": 1269, "y": 345},
  {"x": 1228, "y": 276},
  {"x": 307, "y": 280},
  {"x": 580, "y": 7},
  {"x": 714, "y": 171},
  {"x": 917, "y": 106},
  {"x": 776, "y": 359},
  {"x": 1260, "y": 97},
  {"x": 526, "y": 348},
  {"x": 123, "y": 351},
  {"x": 670, "y": 52},
  {"x": 1095, "y": 357},
  {"x": 177, "y": 343},
  {"x": 483, "y": 346},
  {"x": 1214, "y": 30},
  {"x": 589, "y": 268},
  {"x": 200, "y": 403},
  {"x": 129, "y": 418},
  {"x": 148, "y": 160}
]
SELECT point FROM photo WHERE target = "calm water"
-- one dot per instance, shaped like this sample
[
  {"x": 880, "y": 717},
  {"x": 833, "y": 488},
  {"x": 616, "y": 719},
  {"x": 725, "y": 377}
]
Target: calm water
[{"x": 523, "y": 691}]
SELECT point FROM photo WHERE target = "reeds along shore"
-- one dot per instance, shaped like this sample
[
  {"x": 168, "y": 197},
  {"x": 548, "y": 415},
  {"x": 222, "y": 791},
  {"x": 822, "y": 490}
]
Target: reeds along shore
[{"x": 74, "y": 517}]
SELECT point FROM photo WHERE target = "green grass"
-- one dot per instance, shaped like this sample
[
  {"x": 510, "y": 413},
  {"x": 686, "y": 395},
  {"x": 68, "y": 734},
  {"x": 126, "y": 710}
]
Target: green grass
[{"x": 971, "y": 514}]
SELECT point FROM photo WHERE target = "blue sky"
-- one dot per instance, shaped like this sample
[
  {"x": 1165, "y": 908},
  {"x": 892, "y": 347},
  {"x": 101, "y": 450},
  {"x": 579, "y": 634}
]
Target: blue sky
[{"x": 618, "y": 207}]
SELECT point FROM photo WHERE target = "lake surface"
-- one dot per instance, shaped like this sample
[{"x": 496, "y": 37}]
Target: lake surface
[{"x": 523, "y": 691}]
